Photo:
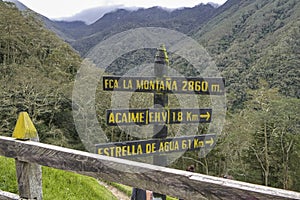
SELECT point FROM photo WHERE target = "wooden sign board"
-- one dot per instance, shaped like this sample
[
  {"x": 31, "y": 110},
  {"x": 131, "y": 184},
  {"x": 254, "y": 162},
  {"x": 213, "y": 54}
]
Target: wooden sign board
[
  {"x": 157, "y": 116},
  {"x": 190, "y": 85},
  {"x": 156, "y": 146}
]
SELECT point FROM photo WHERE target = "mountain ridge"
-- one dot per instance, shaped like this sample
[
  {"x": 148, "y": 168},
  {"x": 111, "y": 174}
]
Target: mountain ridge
[
  {"x": 91, "y": 15},
  {"x": 121, "y": 20}
]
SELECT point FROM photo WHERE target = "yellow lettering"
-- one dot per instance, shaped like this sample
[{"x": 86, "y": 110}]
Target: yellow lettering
[
  {"x": 124, "y": 117},
  {"x": 151, "y": 85},
  {"x": 214, "y": 87},
  {"x": 106, "y": 152},
  {"x": 112, "y": 151},
  {"x": 191, "y": 85},
  {"x": 167, "y": 146},
  {"x": 176, "y": 146},
  {"x": 184, "y": 87},
  {"x": 139, "y": 150},
  {"x": 110, "y": 83},
  {"x": 123, "y": 150},
  {"x": 118, "y": 151},
  {"x": 127, "y": 84},
  {"x": 142, "y": 117},
  {"x": 130, "y": 151},
  {"x": 139, "y": 85},
  {"x": 111, "y": 118},
  {"x": 118, "y": 115},
  {"x": 100, "y": 151},
  {"x": 153, "y": 148},
  {"x": 190, "y": 144},
  {"x": 183, "y": 144},
  {"x": 134, "y": 117},
  {"x": 189, "y": 116},
  {"x": 151, "y": 117},
  {"x": 148, "y": 148},
  {"x": 161, "y": 147},
  {"x": 158, "y": 116},
  {"x": 164, "y": 116},
  {"x": 162, "y": 86},
  {"x": 168, "y": 84},
  {"x": 198, "y": 143},
  {"x": 174, "y": 86},
  {"x": 197, "y": 86}
]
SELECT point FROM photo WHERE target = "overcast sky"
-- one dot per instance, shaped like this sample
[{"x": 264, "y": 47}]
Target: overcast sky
[{"x": 54, "y": 9}]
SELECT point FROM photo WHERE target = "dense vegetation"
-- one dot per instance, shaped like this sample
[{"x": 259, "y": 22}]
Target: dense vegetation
[
  {"x": 254, "y": 40},
  {"x": 256, "y": 46},
  {"x": 254, "y": 43},
  {"x": 37, "y": 71}
]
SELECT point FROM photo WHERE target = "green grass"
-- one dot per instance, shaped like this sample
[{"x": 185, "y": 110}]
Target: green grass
[
  {"x": 57, "y": 184},
  {"x": 8, "y": 178},
  {"x": 124, "y": 188}
]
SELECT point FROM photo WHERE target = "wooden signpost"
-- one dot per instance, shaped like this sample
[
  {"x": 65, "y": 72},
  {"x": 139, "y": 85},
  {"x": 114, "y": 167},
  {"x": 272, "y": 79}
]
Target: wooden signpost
[
  {"x": 157, "y": 116},
  {"x": 160, "y": 85},
  {"x": 156, "y": 146},
  {"x": 181, "y": 85}
]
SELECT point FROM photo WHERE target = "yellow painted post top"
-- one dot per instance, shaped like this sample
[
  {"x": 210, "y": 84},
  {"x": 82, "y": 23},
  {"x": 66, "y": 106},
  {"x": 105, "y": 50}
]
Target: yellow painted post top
[
  {"x": 163, "y": 47},
  {"x": 162, "y": 54},
  {"x": 24, "y": 128}
]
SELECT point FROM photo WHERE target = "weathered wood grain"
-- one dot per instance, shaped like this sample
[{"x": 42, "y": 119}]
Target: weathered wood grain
[
  {"x": 8, "y": 196},
  {"x": 168, "y": 181},
  {"x": 29, "y": 177}
]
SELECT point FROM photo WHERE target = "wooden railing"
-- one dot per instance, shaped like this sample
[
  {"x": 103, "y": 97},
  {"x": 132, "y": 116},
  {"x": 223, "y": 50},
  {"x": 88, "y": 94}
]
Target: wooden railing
[{"x": 177, "y": 183}]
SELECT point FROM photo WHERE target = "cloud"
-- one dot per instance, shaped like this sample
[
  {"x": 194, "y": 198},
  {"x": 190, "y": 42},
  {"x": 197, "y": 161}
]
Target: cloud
[{"x": 66, "y": 8}]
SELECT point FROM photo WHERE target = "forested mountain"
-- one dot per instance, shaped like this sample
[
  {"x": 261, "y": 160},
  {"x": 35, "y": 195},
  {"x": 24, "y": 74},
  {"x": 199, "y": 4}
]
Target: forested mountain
[
  {"x": 84, "y": 37},
  {"x": 249, "y": 40},
  {"x": 37, "y": 71},
  {"x": 255, "y": 40}
]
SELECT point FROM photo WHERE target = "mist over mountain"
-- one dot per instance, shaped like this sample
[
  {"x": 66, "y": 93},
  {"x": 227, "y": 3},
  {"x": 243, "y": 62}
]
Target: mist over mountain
[
  {"x": 91, "y": 15},
  {"x": 184, "y": 20}
]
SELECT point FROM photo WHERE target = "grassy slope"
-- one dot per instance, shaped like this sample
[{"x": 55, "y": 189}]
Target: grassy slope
[{"x": 57, "y": 184}]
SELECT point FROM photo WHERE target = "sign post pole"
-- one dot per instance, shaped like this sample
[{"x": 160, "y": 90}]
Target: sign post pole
[
  {"x": 160, "y": 115},
  {"x": 160, "y": 101}
]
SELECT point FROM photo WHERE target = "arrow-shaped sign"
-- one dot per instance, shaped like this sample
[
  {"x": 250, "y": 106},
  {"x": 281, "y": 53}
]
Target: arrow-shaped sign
[
  {"x": 153, "y": 146},
  {"x": 205, "y": 116}
]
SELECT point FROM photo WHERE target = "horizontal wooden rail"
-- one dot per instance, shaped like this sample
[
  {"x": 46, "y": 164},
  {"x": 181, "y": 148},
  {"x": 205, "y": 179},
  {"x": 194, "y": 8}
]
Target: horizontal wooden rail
[
  {"x": 8, "y": 196},
  {"x": 177, "y": 183}
]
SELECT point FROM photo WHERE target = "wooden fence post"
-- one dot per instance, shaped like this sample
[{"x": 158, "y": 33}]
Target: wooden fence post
[{"x": 29, "y": 175}]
